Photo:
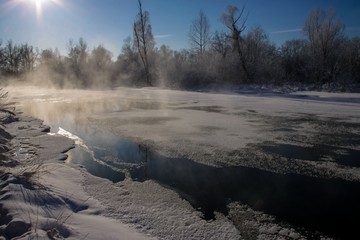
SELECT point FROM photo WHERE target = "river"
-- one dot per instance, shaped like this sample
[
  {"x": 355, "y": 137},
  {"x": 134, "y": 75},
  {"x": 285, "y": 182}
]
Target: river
[{"x": 294, "y": 156}]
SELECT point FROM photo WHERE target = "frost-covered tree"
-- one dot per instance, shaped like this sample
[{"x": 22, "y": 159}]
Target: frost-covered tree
[
  {"x": 100, "y": 59},
  {"x": 17, "y": 59},
  {"x": 259, "y": 55},
  {"x": 29, "y": 56},
  {"x": 11, "y": 58},
  {"x": 2, "y": 59},
  {"x": 354, "y": 58},
  {"x": 165, "y": 63},
  {"x": 325, "y": 33},
  {"x": 349, "y": 61},
  {"x": 235, "y": 21},
  {"x": 100, "y": 66},
  {"x": 295, "y": 60},
  {"x": 78, "y": 52},
  {"x": 220, "y": 44},
  {"x": 128, "y": 65},
  {"x": 144, "y": 40},
  {"x": 51, "y": 68},
  {"x": 199, "y": 34},
  {"x": 77, "y": 62}
]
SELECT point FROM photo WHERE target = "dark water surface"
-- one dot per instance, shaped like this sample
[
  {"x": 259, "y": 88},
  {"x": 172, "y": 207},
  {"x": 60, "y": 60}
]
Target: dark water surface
[
  {"x": 331, "y": 206},
  {"x": 340, "y": 155}
]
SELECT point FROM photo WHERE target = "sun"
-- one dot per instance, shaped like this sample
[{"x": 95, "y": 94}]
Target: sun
[{"x": 38, "y": 5}]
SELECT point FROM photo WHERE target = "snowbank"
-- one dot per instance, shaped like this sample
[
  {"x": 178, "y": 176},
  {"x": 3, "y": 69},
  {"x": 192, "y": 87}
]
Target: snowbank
[{"x": 41, "y": 196}]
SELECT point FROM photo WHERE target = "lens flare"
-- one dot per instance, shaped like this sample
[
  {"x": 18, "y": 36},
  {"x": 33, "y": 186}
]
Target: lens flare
[{"x": 38, "y": 5}]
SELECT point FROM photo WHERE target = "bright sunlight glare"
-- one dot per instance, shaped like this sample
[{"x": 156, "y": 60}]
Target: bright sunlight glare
[{"x": 39, "y": 5}]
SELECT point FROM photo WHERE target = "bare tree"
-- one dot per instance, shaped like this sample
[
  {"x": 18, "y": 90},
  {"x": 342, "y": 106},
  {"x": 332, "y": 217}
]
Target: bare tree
[
  {"x": 12, "y": 58},
  {"x": 199, "y": 34},
  {"x": 220, "y": 43},
  {"x": 2, "y": 59},
  {"x": 165, "y": 62},
  {"x": 257, "y": 53},
  {"x": 52, "y": 67},
  {"x": 235, "y": 21},
  {"x": 17, "y": 59},
  {"x": 78, "y": 58},
  {"x": 127, "y": 65},
  {"x": 294, "y": 60},
  {"x": 144, "y": 40},
  {"x": 29, "y": 56},
  {"x": 354, "y": 58},
  {"x": 325, "y": 33},
  {"x": 78, "y": 52},
  {"x": 100, "y": 59},
  {"x": 100, "y": 64}
]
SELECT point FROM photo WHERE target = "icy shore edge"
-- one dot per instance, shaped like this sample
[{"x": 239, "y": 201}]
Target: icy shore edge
[{"x": 42, "y": 197}]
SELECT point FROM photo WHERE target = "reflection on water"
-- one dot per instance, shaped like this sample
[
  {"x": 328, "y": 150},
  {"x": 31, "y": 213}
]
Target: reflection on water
[
  {"x": 103, "y": 154},
  {"x": 96, "y": 168}
]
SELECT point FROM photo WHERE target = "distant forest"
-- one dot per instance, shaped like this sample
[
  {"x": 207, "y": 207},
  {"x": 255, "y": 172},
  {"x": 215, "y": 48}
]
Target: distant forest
[{"x": 236, "y": 56}]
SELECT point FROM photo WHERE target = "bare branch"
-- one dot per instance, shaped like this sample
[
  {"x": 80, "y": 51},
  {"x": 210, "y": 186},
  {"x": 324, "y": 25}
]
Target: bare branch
[{"x": 199, "y": 34}]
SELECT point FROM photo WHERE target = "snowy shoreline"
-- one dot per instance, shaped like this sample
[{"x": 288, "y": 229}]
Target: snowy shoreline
[{"x": 41, "y": 196}]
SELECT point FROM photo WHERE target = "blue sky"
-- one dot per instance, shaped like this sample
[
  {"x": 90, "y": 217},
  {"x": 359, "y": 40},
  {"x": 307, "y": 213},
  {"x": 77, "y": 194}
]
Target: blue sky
[{"x": 109, "y": 22}]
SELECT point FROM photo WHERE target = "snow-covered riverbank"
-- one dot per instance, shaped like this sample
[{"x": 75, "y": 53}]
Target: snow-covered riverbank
[{"x": 41, "y": 196}]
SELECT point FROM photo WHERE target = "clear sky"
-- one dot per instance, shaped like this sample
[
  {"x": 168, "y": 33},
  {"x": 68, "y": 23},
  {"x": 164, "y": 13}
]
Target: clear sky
[{"x": 51, "y": 23}]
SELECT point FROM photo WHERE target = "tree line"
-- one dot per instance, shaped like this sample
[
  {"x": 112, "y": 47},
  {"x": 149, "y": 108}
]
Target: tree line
[{"x": 236, "y": 55}]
